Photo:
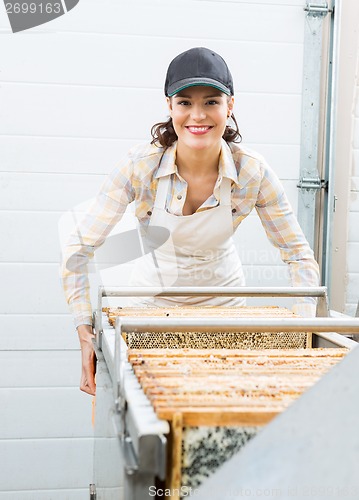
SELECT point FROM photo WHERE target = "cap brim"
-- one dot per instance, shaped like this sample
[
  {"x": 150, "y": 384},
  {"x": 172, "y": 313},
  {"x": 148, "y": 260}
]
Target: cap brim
[{"x": 196, "y": 82}]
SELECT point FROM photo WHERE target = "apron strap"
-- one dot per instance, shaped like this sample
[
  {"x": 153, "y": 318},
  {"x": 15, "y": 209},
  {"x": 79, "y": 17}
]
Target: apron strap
[
  {"x": 162, "y": 190},
  {"x": 225, "y": 192}
]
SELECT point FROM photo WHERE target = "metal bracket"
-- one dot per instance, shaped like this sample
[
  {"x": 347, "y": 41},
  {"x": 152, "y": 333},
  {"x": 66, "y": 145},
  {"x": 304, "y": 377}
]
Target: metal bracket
[
  {"x": 97, "y": 325},
  {"x": 315, "y": 10},
  {"x": 93, "y": 494},
  {"x": 131, "y": 464},
  {"x": 322, "y": 306},
  {"x": 120, "y": 400},
  {"x": 312, "y": 183}
]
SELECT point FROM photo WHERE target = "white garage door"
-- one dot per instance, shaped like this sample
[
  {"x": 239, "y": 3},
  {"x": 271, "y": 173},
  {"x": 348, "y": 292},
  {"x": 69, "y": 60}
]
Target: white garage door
[{"x": 76, "y": 93}]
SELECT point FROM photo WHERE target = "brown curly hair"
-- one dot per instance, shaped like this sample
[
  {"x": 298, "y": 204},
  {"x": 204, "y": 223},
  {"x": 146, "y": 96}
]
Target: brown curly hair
[{"x": 164, "y": 133}]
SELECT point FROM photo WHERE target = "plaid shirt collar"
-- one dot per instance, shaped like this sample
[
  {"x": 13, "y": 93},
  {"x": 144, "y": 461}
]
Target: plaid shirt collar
[{"x": 226, "y": 167}]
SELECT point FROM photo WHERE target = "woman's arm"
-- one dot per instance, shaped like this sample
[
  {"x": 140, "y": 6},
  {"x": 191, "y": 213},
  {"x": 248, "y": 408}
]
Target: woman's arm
[
  {"x": 90, "y": 233},
  {"x": 106, "y": 211},
  {"x": 283, "y": 231}
]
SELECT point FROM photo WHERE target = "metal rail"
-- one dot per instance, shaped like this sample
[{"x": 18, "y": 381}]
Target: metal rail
[
  {"x": 219, "y": 291},
  {"x": 320, "y": 292},
  {"x": 135, "y": 324}
]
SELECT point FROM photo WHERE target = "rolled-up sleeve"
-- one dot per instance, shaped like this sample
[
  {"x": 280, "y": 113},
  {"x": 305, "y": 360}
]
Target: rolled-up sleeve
[
  {"x": 104, "y": 213},
  {"x": 285, "y": 233}
]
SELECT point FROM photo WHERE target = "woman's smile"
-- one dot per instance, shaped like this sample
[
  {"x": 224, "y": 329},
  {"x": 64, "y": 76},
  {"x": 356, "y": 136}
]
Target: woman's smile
[{"x": 198, "y": 130}]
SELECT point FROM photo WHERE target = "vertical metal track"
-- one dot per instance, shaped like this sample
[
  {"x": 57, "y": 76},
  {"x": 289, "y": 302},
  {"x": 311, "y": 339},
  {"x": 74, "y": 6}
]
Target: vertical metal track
[
  {"x": 329, "y": 198},
  {"x": 310, "y": 182}
]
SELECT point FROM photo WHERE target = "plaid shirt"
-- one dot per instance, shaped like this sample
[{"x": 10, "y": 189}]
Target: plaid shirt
[{"x": 254, "y": 185}]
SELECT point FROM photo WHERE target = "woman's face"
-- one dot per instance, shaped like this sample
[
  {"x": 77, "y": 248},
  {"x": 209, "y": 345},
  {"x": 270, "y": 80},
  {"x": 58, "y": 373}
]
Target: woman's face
[{"x": 199, "y": 116}]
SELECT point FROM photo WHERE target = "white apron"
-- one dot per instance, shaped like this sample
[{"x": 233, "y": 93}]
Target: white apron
[{"x": 199, "y": 252}]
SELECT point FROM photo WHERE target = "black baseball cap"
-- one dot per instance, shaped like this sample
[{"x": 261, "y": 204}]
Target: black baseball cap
[{"x": 198, "y": 66}]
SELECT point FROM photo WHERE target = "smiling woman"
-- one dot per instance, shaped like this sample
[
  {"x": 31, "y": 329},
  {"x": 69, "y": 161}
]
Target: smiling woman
[
  {"x": 194, "y": 181},
  {"x": 199, "y": 117},
  {"x": 218, "y": 87}
]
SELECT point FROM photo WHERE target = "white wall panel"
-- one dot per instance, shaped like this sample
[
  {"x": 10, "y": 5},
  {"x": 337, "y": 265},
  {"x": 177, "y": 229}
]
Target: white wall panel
[
  {"x": 53, "y": 104},
  {"x": 47, "y": 192},
  {"x": 31, "y": 289},
  {"x": 163, "y": 19},
  {"x": 38, "y": 229},
  {"x": 40, "y": 368},
  {"x": 356, "y": 127},
  {"x": 283, "y": 158},
  {"x": 33, "y": 332},
  {"x": 355, "y": 162},
  {"x": 95, "y": 50},
  {"x": 354, "y": 187},
  {"x": 36, "y": 289},
  {"x": 255, "y": 115},
  {"x": 79, "y": 111},
  {"x": 353, "y": 258},
  {"x": 43, "y": 232},
  {"x": 352, "y": 270},
  {"x": 284, "y": 3},
  {"x": 74, "y": 494},
  {"x": 55, "y": 463},
  {"x": 46, "y": 414},
  {"x": 61, "y": 155},
  {"x": 353, "y": 235},
  {"x": 353, "y": 288},
  {"x": 354, "y": 202}
]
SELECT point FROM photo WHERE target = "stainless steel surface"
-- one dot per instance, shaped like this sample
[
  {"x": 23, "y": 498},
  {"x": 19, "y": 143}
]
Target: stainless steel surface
[
  {"x": 131, "y": 462},
  {"x": 322, "y": 306},
  {"x": 108, "y": 457},
  {"x": 333, "y": 339},
  {"x": 150, "y": 449},
  {"x": 141, "y": 435}
]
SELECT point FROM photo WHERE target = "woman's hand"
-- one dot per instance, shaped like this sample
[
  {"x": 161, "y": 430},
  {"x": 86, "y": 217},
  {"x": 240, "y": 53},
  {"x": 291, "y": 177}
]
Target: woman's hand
[{"x": 88, "y": 355}]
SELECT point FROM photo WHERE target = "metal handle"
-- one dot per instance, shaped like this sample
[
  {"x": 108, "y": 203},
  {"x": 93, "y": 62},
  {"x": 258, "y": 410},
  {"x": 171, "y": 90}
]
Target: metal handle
[
  {"x": 135, "y": 324},
  {"x": 218, "y": 291}
]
